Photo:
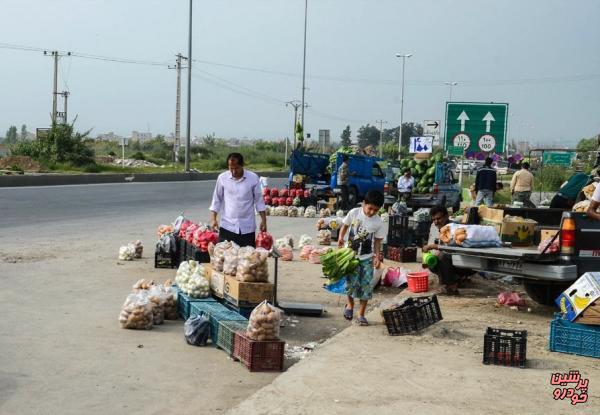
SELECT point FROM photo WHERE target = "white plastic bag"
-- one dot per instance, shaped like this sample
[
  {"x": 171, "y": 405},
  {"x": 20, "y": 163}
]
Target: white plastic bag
[
  {"x": 136, "y": 313},
  {"x": 264, "y": 322}
]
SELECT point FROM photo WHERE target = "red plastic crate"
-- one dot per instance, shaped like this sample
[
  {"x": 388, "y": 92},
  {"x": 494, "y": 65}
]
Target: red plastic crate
[
  {"x": 265, "y": 356},
  {"x": 418, "y": 282}
]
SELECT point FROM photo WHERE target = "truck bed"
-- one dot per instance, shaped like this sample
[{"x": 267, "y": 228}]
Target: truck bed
[{"x": 499, "y": 253}]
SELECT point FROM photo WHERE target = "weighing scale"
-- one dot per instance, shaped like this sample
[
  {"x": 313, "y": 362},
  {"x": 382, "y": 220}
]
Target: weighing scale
[{"x": 300, "y": 309}]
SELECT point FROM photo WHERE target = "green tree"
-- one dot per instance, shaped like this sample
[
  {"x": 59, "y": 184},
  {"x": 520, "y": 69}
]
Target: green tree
[
  {"x": 11, "y": 135},
  {"x": 346, "y": 137},
  {"x": 408, "y": 130},
  {"x": 24, "y": 132},
  {"x": 367, "y": 135}
]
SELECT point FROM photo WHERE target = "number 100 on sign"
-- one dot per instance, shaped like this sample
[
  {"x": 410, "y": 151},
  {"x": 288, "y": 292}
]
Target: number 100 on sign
[{"x": 487, "y": 143}]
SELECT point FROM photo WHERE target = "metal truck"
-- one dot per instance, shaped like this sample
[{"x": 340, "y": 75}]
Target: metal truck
[{"x": 544, "y": 276}]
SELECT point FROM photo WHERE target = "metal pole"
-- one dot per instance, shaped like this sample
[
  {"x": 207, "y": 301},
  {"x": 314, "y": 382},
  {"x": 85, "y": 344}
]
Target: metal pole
[
  {"x": 304, "y": 66},
  {"x": 189, "y": 96},
  {"x": 123, "y": 153},
  {"x": 66, "y": 96},
  {"x": 401, "y": 107},
  {"x": 381, "y": 122},
  {"x": 55, "y": 93},
  {"x": 178, "y": 109},
  {"x": 286, "y": 154}
]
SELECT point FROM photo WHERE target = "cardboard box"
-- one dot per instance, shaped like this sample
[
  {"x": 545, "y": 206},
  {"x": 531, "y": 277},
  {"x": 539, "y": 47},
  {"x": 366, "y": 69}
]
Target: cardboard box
[
  {"x": 491, "y": 217},
  {"x": 547, "y": 234},
  {"x": 217, "y": 283},
  {"x": 518, "y": 231},
  {"x": 579, "y": 296},
  {"x": 247, "y": 294},
  {"x": 591, "y": 314}
]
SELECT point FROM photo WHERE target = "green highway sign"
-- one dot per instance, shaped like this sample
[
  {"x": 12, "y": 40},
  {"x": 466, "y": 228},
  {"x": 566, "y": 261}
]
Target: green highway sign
[
  {"x": 476, "y": 126},
  {"x": 455, "y": 151},
  {"x": 557, "y": 159}
]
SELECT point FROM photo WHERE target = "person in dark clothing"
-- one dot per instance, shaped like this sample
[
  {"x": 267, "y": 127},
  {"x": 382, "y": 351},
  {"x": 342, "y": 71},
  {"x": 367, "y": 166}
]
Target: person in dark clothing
[
  {"x": 448, "y": 274},
  {"x": 568, "y": 192},
  {"x": 342, "y": 182},
  {"x": 485, "y": 184}
]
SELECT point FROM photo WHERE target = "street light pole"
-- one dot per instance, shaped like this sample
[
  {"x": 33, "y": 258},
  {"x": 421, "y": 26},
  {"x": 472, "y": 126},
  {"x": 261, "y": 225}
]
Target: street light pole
[
  {"x": 451, "y": 84},
  {"x": 403, "y": 56},
  {"x": 304, "y": 66},
  {"x": 189, "y": 97}
]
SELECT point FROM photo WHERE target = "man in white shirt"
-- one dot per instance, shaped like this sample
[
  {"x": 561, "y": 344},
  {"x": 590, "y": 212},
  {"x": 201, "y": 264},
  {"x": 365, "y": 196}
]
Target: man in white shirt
[
  {"x": 237, "y": 193},
  {"x": 406, "y": 183}
]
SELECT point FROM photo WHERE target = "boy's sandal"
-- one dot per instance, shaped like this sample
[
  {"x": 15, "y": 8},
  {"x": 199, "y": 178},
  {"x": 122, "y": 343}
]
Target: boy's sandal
[
  {"x": 348, "y": 313},
  {"x": 362, "y": 321}
]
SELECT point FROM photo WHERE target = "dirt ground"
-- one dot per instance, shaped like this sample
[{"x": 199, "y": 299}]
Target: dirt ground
[
  {"x": 23, "y": 162},
  {"x": 63, "y": 351}
]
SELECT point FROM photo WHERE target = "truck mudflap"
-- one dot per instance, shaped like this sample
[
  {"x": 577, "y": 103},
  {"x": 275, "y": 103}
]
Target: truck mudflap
[{"x": 517, "y": 267}]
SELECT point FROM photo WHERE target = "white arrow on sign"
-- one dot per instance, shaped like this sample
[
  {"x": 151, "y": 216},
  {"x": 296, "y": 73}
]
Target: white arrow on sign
[
  {"x": 488, "y": 121},
  {"x": 462, "y": 118}
]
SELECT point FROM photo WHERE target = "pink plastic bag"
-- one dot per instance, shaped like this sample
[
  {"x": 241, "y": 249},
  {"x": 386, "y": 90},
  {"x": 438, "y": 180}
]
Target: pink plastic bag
[
  {"x": 509, "y": 299},
  {"x": 394, "y": 277},
  {"x": 286, "y": 253},
  {"x": 306, "y": 251}
]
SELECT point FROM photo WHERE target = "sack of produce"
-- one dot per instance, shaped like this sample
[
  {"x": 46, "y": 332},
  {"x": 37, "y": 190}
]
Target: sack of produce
[
  {"x": 217, "y": 254},
  {"x": 204, "y": 237},
  {"x": 310, "y": 212},
  {"x": 340, "y": 213},
  {"x": 338, "y": 263},
  {"x": 323, "y": 213},
  {"x": 164, "y": 229},
  {"x": 292, "y": 212},
  {"x": 264, "y": 322},
  {"x": 170, "y": 300},
  {"x": 287, "y": 240},
  {"x": 127, "y": 253},
  {"x": 297, "y": 201},
  {"x": 166, "y": 244},
  {"x": 196, "y": 285},
  {"x": 136, "y": 313},
  {"x": 196, "y": 330},
  {"x": 189, "y": 232},
  {"x": 158, "y": 297},
  {"x": 589, "y": 190},
  {"x": 138, "y": 248},
  {"x": 264, "y": 240},
  {"x": 315, "y": 255},
  {"x": 287, "y": 253},
  {"x": 301, "y": 210},
  {"x": 422, "y": 215},
  {"x": 252, "y": 265},
  {"x": 324, "y": 237},
  {"x": 583, "y": 206},
  {"x": 142, "y": 284},
  {"x": 230, "y": 262},
  {"x": 470, "y": 236},
  {"x": 183, "y": 228},
  {"x": 305, "y": 252},
  {"x": 177, "y": 223},
  {"x": 304, "y": 240}
]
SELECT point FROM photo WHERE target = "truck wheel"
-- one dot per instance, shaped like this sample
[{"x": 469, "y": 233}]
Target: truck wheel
[
  {"x": 352, "y": 197},
  {"x": 544, "y": 293}
]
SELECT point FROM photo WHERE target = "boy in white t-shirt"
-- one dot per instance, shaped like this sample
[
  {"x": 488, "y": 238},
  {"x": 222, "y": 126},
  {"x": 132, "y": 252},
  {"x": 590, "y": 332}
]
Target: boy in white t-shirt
[{"x": 365, "y": 232}]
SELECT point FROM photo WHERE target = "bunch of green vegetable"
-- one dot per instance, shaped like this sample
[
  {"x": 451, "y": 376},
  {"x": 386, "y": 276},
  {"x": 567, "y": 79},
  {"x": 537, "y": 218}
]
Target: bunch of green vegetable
[
  {"x": 423, "y": 171},
  {"x": 338, "y": 263}
]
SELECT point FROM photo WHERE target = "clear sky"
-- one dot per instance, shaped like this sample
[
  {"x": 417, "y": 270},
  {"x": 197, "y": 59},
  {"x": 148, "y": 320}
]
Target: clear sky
[{"x": 540, "y": 56}]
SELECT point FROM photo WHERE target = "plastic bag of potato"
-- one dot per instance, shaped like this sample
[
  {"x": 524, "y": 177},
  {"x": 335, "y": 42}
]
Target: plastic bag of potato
[
  {"x": 136, "y": 313},
  {"x": 264, "y": 322}
]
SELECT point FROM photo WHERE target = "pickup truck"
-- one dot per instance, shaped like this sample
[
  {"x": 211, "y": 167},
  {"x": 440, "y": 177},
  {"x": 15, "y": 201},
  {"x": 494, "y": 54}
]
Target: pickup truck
[
  {"x": 445, "y": 191},
  {"x": 365, "y": 174},
  {"x": 544, "y": 276}
]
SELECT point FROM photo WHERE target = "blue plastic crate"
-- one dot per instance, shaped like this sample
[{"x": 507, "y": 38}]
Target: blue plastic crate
[
  {"x": 217, "y": 313},
  {"x": 184, "y": 303},
  {"x": 242, "y": 311},
  {"x": 574, "y": 338}
]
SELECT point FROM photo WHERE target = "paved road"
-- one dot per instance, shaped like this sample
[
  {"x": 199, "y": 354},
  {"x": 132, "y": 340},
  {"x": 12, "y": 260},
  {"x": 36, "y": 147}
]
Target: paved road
[{"x": 52, "y": 204}]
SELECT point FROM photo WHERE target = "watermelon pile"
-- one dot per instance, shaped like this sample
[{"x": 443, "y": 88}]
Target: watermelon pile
[{"x": 423, "y": 171}]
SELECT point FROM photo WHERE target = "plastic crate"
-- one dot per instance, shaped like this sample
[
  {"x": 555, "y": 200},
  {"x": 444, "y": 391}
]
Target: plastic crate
[
  {"x": 418, "y": 282},
  {"x": 401, "y": 254},
  {"x": 505, "y": 347},
  {"x": 413, "y": 315},
  {"x": 199, "y": 256},
  {"x": 265, "y": 356},
  {"x": 574, "y": 338},
  {"x": 399, "y": 234},
  {"x": 226, "y": 333},
  {"x": 216, "y": 313},
  {"x": 184, "y": 303},
  {"x": 162, "y": 260},
  {"x": 242, "y": 311},
  {"x": 182, "y": 249}
]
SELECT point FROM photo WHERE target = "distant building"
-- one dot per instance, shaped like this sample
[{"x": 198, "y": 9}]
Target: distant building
[
  {"x": 141, "y": 137},
  {"x": 109, "y": 137},
  {"x": 3, "y": 150},
  {"x": 523, "y": 147}
]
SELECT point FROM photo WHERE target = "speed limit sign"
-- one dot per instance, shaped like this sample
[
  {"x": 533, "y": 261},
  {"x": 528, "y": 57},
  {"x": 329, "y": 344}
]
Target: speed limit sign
[
  {"x": 487, "y": 143},
  {"x": 462, "y": 140}
]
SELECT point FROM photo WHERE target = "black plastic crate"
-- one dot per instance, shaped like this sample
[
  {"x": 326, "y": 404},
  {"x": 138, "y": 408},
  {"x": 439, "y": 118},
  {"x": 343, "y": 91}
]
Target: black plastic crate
[
  {"x": 401, "y": 253},
  {"x": 505, "y": 347},
  {"x": 197, "y": 255},
  {"x": 162, "y": 260},
  {"x": 413, "y": 315},
  {"x": 182, "y": 249},
  {"x": 399, "y": 233}
]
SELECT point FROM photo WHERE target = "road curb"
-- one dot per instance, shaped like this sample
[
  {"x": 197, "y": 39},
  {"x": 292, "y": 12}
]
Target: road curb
[{"x": 68, "y": 179}]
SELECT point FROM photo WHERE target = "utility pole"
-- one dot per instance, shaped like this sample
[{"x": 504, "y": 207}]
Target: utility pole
[
  {"x": 177, "y": 142},
  {"x": 304, "y": 67},
  {"x": 381, "y": 122},
  {"x": 189, "y": 96},
  {"x": 63, "y": 115},
  {"x": 56, "y": 55},
  {"x": 296, "y": 104}
]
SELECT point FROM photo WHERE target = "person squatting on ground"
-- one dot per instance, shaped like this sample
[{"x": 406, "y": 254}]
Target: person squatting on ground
[
  {"x": 237, "y": 193},
  {"x": 365, "y": 232},
  {"x": 448, "y": 274}
]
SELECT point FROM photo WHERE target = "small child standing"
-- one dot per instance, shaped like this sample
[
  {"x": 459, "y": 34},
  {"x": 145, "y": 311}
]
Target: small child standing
[{"x": 365, "y": 232}]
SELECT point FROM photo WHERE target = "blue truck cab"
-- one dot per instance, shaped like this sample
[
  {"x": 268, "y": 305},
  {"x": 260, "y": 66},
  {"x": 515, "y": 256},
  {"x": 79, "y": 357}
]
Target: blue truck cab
[{"x": 365, "y": 173}]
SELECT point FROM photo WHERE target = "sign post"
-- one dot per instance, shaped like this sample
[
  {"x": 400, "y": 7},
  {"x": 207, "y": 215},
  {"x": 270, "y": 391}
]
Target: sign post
[
  {"x": 432, "y": 128},
  {"x": 476, "y": 126},
  {"x": 553, "y": 158}
]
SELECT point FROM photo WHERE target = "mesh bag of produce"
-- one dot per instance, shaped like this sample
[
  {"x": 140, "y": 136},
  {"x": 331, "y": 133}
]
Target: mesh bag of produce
[
  {"x": 264, "y": 322},
  {"x": 136, "y": 313}
]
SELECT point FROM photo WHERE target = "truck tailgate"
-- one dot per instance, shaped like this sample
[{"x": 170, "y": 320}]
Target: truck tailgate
[{"x": 499, "y": 253}]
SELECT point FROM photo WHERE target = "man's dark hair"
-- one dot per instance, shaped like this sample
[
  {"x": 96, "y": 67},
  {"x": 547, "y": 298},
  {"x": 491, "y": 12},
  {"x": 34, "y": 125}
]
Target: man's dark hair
[
  {"x": 525, "y": 165},
  {"x": 374, "y": 197},
  {"x": 499, "y": 185},
  {"x": 345, "y": 158},
  {"x": 438, "y": 209},
  {"x": 237, "y": 157},
  {"x": 488, "y": 161},
  {"x": 406, "y": 170}
]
